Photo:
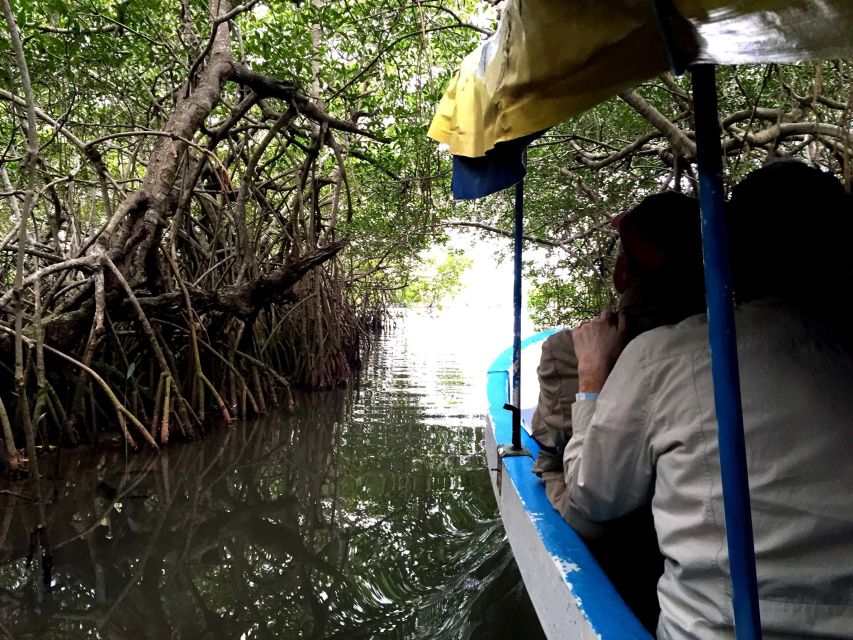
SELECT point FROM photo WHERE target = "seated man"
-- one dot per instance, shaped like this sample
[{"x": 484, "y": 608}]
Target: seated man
[
  {"x": 660, "y": 249},
  {"x": 651, "y": 434},
  {"x": 660, "y": 252}
]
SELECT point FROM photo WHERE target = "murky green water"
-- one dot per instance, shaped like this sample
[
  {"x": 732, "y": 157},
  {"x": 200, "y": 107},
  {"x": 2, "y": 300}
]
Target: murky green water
[{"x": 365, "y": 515}]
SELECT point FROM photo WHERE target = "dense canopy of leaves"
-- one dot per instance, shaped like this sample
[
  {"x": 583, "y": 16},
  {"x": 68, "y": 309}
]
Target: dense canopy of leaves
[
  {"x": 604, "y": 161},
  {"x": 221, "y": 199}
]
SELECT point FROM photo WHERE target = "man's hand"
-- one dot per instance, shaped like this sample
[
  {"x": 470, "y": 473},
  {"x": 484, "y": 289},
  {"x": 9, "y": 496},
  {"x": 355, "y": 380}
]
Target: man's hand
[{"x": 598, "y": 343}]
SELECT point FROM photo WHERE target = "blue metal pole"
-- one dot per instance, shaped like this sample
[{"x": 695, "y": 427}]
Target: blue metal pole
[
  {"x": 516, "y": 309},
  {"x": 724, "y": 363}
]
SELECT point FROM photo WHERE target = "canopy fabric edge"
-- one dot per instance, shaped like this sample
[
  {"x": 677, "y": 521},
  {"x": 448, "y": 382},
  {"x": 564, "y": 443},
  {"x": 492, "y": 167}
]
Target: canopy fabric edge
[{"x": 550, "y": 60}]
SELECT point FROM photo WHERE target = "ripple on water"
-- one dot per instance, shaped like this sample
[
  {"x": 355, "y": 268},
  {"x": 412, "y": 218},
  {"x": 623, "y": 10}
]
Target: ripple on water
[{"x": 364, "y": 515}]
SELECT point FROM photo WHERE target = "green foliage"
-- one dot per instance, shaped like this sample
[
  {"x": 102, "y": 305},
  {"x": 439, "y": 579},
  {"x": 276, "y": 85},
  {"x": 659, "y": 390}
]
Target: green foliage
[
  {"x": 438, "y": 280},
  {"x": 564, "y": 299},
  {"x": 273, "y": 172},
  {"x": 104, "y": 67},
  {"x": 604, "y": 161}
]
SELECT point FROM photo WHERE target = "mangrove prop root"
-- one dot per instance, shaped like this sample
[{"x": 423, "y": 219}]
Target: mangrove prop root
[{"x": 153, "y": 289}]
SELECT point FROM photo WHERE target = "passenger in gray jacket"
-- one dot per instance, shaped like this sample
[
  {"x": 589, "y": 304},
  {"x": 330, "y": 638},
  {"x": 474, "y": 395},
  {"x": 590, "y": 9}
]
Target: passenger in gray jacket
[
  {"x": 651, "y": 434},
  {"x": 660, "y": 252}
]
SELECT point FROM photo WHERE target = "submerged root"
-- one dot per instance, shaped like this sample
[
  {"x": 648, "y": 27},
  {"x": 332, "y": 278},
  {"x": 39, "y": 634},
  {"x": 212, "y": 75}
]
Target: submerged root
[{"x": 157, "y": 371}]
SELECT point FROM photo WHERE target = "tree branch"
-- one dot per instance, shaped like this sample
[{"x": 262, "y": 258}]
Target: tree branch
[
  {"x": 267, "y": 86},
  {"x": 681, "y": 144},
  {"x": 501, "y": 232}
]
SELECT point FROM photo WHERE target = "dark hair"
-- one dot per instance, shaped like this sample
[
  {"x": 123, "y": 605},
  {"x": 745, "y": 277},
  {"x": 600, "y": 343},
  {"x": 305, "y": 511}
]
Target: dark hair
[
  {"x": 662, "y": 235},
  {"x": 662, "y": 245},
  {"x": 789, "y": 225}
]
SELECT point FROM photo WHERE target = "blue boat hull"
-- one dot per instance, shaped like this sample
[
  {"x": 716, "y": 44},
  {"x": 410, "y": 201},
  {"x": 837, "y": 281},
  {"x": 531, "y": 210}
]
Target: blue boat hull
[{"x": 572, "y": 596}]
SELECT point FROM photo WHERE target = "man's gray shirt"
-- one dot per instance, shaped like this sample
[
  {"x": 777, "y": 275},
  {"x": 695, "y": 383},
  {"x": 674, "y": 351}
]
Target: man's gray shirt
[{"x": 652, "y": 433}]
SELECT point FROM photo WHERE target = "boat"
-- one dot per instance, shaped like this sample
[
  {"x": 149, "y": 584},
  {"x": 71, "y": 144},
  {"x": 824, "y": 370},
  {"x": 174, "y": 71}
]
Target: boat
[
  {"x": 547, "y": 61},
  {"x": 572, "y": 596}
]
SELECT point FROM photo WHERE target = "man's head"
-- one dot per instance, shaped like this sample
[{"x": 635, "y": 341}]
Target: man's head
[
  {"x": 661, "y": 242},
  {"x": 790, "y": 228}
]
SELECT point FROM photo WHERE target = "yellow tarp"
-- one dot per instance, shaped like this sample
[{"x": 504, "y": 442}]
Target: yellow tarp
[{"x": 551, "y": 59}]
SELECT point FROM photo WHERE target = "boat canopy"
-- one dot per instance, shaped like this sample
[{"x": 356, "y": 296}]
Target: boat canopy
[{"x": 549, "y": 60}]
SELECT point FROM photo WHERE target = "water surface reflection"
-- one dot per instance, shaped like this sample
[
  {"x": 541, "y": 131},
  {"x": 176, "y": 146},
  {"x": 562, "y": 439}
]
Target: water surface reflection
[{"x": 366, "y": 514}]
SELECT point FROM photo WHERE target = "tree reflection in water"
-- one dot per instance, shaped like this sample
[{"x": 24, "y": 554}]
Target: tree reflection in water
[{"x": 365, "y": 517}]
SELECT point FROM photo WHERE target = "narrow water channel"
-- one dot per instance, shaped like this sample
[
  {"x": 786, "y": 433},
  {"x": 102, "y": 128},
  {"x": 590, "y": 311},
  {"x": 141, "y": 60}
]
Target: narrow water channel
[{"x": 366, "y": 514}]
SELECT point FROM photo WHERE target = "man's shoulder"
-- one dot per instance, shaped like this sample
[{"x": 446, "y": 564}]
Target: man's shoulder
[
  {"x": 671, "y": 340},
  {"x": 559, "y": 351},
  {"x": 757, "y": 321},
  {"x": 559, "y": 340}
]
